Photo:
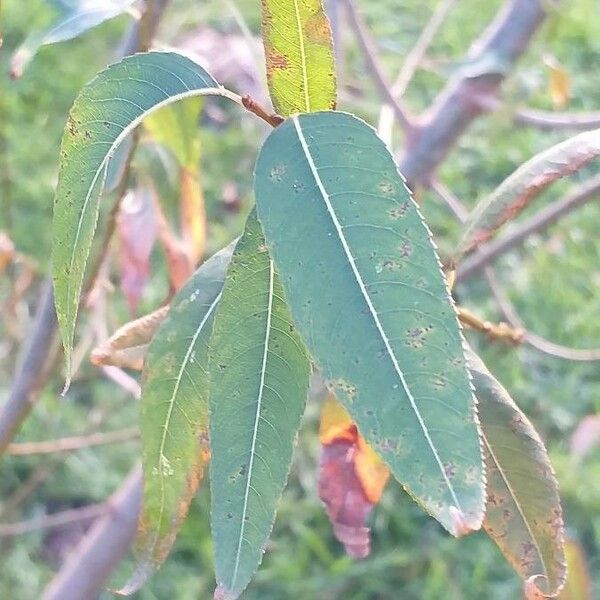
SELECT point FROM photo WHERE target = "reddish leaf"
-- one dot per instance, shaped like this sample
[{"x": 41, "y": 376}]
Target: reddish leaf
[
  {"x": 137, "y": 229},
  {"x": 585, "y": 436},
  {"x": 351, "y": 479},
  {"x": 178, "y": 261}
]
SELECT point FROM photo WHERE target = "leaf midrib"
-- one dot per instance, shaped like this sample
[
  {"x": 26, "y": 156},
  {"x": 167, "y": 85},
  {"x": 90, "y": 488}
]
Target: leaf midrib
[
  {"x": 256, "y": 424},
  {"x": 302, "y": 56},
  {"x": 373, "y": 312},
  {"x": 517, "y": 504},
  {"x": 172, "y": 403},
  {"x": 170, "y": 100}
]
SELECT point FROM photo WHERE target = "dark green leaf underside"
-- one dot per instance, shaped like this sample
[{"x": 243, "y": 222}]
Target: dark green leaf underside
[
  {"x": 102, "y": 115},
  {"x": 174, "y": 413},
  {"x": 259, "y": 372},
  {"x": 366, "y": 291}
]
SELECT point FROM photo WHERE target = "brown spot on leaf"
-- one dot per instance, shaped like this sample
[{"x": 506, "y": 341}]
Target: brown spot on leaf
[{"x": 398, "y": 211}]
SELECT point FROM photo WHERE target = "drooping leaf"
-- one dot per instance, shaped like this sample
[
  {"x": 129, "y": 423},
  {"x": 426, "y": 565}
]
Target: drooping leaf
[
  {"x": 368, "y": 296},
  {"x": 69, "y": 19},
  {"x": 259, "y": 372},
  {"x": 137, "y": 229},
  {"x": 117, "y": 165},
  {"x": 174, "y": 414},
  {"x": 524, "y": 515},
  {"x": 351, "y": 478},
  {"x": 179, "y": 264},
  {"x": 103, "y": 114},
  {"x": 299, "y": 54},
  {"x": 559, "y": 83},
  {"x": 128, "y": 346},
  {"x": 193, "y": 213},
  {"x": 176, "y": 128},
  {"x": 522, "y": 186}
]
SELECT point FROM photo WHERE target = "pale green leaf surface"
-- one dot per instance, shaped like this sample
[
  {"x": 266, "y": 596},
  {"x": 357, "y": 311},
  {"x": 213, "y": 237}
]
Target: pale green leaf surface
[
  {"x": 367, "y": 293},
  {"x": 69, "y": 19},
  {"x": 174, "y": 414},
  {"x": 176, "y": 128},
  {"x": 299, "y": 56},
  {"x": 259, "y": 372},
  {"x": 524, "y": 515},
  {"x": 105, "y": 111},
  {"x": 522, "y": 186}
]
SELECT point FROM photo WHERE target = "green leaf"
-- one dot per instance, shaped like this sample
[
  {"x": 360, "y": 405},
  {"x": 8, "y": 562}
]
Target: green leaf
[
  {"x": 298, "y": 48},
  {"x": 105, "y": 111},
  {"x": 259, "y": 372},
  {"x": 527, "y": 182},
  {"x": 176, "y": 128},
  {"x": 174, "y": 414},
  {"x": 523, "y": 516},
  {"x": 69, "y": 19},
  {"x": 367, "y": 293}
]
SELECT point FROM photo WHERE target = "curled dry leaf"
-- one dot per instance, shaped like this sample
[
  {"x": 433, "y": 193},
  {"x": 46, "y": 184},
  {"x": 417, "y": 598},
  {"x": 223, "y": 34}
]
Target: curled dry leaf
[
  {"x": 351, "y": 479},
  {"x": 137, "y": 229},
  {"x": 524, "y": 516},
  {"x": 127, "y": 347}
]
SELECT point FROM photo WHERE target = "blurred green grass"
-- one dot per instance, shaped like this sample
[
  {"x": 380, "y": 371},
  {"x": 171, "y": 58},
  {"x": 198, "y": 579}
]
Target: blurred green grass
[{"x": 554, "y": 281}]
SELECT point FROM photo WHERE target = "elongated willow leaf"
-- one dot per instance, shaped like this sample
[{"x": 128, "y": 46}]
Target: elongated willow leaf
[
  {"x": 523, "y": 516},
  {"x": 299, "y": 55},
  {"x": 259, "y": 372},
  {"x": 69, "y": 19},
  {"x": 174, "y": 414},
  {"x": 105, "y": 111},
  {"x": 367, "y": 293},
  {"x": 529, "y": 180}
]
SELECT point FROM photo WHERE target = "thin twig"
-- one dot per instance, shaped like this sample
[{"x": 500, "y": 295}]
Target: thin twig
[
  {"x": 542, "y": 119},
  {"x": 536, "y": 341},
  {"x": 459, "y": 210},
  {"x": 495, "y": 331},
  {"x": 68, "y": 444},
  {"x": 368, "y": 47},
  {"x": 486, "y": 254},
  {"x": 411, "y": 64},
  {"x": 251, "y": 105},
  {"x": 85, "y": 513}
]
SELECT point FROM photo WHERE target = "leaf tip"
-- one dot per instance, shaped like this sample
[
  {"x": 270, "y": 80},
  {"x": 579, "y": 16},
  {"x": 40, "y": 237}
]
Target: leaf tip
[
  {"x": 460, "y": 524},
  {"x": 223, "y": 593},
  {"x": 142, "y": 573}
]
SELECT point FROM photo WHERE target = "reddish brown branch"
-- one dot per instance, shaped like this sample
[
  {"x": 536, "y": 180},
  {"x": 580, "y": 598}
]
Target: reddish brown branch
[{"x": 251, "y": 105}]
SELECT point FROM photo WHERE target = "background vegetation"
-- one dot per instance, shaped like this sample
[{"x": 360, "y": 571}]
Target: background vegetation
[{"x": 553, "y": 280}]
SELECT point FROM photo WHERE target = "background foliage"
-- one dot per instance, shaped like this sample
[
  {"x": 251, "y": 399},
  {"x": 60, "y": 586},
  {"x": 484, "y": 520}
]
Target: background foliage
[{"x": 554, "y": 281}]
